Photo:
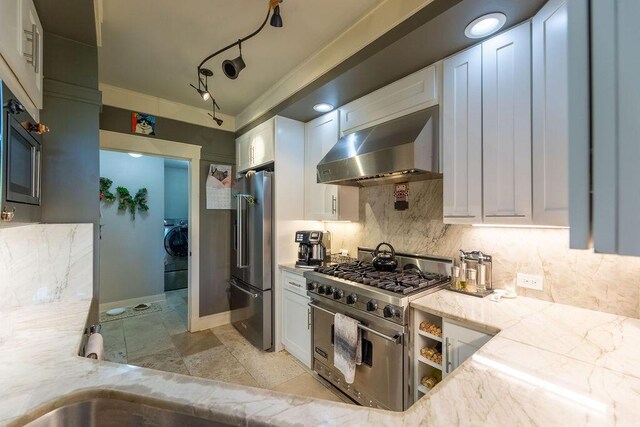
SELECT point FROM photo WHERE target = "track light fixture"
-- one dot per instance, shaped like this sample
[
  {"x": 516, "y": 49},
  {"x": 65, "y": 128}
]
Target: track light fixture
[
  {"x": 232, "y": 67},
  {"x": 218, "y": 121},
  {"x": 204, "y": 93}
]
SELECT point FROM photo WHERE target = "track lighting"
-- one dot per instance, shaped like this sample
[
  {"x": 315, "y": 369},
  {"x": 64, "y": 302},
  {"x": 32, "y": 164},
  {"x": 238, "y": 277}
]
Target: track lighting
[
  {"x": 219, "y": 121},
  {"x": 276, "y": 19},
  {"x": 204, "y": 93},
  {"x": 232, "y": 67}
]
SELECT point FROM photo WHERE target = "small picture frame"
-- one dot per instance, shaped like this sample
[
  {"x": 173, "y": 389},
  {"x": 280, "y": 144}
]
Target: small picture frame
[{"x": 144, "y": 124}]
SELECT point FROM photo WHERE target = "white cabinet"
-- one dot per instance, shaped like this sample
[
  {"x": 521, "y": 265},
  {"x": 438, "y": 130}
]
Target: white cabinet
[
  {"x": 459, "y": 344},
  {"x": 325, "y": 201},
  {"x": 462, "y": 137},
  {"x": 615, "y": 102},
  {"x": 550, "y": 115},
  {"x": 506, "y": 127},
  {"x": 256, "y": 147},
  {"x": 296, "y": 317},
  {"x": 412, "y": 93},
  {"x": 21, "y": 48}
]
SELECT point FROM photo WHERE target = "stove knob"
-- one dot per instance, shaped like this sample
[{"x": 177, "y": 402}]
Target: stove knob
[
  {"x": 338, "y": 294},
  {"x": 331, "y": 290},
  {"x": 390, "y": 311},
  {"x": 351, "y": 299},
  {"x": 321, "y": 289},
  {"x": 372, "y": 305},
  {"x": 311, "y": 286}
]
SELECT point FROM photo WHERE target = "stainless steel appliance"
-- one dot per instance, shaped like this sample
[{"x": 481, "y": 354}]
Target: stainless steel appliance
[
  {"x": 380, "y": 301},
  {"x": 20, "y": 161},
  {"x": 251, "y": 299},
  {"x": 176, "y": 257},
  {"x": 400, "y": 150},
  {"x": 314, "y": 248}
]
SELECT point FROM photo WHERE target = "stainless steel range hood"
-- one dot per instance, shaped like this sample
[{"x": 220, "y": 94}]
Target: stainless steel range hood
[{"x": 400, "y": 150}]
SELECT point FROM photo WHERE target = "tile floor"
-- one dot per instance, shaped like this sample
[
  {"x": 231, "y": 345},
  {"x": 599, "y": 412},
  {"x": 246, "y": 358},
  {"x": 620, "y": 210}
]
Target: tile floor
[{"x": 160, "y": 341}]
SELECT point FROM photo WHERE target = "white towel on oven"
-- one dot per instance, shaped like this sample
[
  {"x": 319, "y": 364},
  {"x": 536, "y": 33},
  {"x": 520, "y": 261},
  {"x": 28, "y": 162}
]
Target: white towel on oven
[{"x": 347, "y": 347}]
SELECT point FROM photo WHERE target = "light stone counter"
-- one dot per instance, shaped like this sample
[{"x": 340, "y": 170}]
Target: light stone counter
[
  {"x": 549, "y": 364},
  {"x": 293, "y": 269}
]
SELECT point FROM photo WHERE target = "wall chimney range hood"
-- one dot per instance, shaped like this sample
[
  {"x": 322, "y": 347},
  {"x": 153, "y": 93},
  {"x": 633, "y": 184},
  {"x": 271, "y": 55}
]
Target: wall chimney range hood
[{"x": 400, "y": 150}]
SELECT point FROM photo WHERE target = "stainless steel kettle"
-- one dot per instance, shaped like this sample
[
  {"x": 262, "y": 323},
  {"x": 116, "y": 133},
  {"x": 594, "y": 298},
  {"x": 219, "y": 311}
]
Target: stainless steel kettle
[{"x": 384, "y": 260}]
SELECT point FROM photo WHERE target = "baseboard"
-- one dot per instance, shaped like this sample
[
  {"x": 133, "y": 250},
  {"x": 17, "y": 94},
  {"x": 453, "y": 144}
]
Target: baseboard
[
  {"x": 132, "y": 301},
  {"x": 211, "y": 321}
]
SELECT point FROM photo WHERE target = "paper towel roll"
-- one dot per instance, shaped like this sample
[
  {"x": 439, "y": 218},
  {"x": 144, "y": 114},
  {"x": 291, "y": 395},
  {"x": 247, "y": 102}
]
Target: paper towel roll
[{"x": 95, "y": 347}]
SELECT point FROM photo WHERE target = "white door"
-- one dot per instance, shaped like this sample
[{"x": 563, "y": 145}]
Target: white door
[
  {"x": 262, "y": 144},
  {"x": 460, "y": 343},
  {"x": 30, "y": 73},
  {"x": 550, "y": 115},
  {"x": 462, "y": 137},
  {"x": 321, "y": 200},
  {"x": 296, "y": 326},
  {"x": 506, "y": 133}
]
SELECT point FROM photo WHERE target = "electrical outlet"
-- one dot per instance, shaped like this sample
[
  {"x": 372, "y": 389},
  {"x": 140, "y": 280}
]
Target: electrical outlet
[{"x": 530, "y": 281}]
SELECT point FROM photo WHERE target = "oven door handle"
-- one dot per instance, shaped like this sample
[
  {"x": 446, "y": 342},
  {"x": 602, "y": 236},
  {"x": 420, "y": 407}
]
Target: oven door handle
[{"x": 394, "y": 339}]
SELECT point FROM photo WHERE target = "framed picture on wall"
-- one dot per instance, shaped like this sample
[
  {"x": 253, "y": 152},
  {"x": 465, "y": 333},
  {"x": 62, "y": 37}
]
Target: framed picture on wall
[{"x": 144, "y": 124}]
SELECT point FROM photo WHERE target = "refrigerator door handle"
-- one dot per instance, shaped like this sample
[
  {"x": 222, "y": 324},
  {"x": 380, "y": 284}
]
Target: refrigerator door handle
[
  {"x": 240, "y": 247},
  {"x": 235, "y": 285}
]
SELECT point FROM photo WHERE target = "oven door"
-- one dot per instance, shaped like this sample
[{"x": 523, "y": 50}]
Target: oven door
[
  {"x": 381, "y": 379},
  {"x": 22, "y": 179}
]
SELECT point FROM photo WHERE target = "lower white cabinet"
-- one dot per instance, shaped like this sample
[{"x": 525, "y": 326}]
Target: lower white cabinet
[
  {"x": 459, "y": 344},
  {"x": 296, "y": 317}
]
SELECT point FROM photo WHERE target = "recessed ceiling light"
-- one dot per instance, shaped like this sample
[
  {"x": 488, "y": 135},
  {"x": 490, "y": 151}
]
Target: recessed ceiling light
[
  {"x": 485, "y": 25},
  {"x": 135, "y": 155},
  {"x": 323, "y": 107}
]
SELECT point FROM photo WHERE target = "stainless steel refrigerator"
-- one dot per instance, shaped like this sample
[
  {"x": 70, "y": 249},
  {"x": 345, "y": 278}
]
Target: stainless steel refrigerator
[{"x": 251, "y": 298}]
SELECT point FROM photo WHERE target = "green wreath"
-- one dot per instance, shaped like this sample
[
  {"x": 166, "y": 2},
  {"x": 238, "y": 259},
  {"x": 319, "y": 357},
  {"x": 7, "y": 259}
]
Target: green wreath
[
  {"x": 127, "y": 202},
  {"x": 106, "y": 195}
]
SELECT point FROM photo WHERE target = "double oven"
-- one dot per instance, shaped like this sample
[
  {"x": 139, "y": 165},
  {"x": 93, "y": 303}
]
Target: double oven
[{"x": 20, "y": 162}]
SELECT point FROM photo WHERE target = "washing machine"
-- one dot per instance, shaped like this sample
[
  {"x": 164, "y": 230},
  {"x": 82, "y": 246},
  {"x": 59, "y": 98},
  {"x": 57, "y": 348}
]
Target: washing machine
[{"x": 176, "y": 254}]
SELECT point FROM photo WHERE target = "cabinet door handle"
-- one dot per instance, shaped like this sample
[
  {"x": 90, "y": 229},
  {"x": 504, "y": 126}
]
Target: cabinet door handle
[
  {"x": 32, "y": 36},
  {"x": 447, "y": 359},
  {"x": 308, "y": 318},
  {"x": 297, "y": 285},
  {"x": 334, "y": 203}
]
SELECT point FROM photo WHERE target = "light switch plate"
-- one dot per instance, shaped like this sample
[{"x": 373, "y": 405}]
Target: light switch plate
[{"x": 530, "y": 281}]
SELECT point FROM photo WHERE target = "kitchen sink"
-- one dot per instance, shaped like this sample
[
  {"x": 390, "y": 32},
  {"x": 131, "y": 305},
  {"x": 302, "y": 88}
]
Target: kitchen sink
[{"x": 109, "y": 411}]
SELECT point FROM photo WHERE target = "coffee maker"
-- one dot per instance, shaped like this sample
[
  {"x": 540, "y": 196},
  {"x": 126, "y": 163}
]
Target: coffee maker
[{"x": 314, "y": 248}]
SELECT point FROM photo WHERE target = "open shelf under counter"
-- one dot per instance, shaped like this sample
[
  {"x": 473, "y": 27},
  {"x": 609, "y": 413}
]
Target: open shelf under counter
[
  {"x": 429, "y": 362},
  {"x": 422, "y": 389},
  {"x": 430, "y": 336}
]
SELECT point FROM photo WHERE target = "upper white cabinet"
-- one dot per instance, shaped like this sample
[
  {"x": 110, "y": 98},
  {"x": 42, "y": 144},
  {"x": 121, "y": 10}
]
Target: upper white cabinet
[
  {"x": 325, "y": 201},
  {"x": 21, "y": 46},
  {"x": 412, "y": 93},
  {"x": 550, "y": 115},
  {"x": 256, "y": 147},
  {"x": 459, "y": 344},
  {"x": 615, "y": 103},
  {"x": 462, "y": 137},
  {"x": 506, "y": 127}
]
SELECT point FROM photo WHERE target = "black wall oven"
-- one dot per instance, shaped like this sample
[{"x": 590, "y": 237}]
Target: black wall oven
[{"x": 20, "y": 155}]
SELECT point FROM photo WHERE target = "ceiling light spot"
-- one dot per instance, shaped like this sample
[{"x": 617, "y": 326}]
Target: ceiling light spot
[
  {"x": 323, "y": 107},
  {"x": 485, "y": 25}
]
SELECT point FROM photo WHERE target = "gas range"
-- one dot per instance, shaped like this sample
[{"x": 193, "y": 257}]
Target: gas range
[{"x": 359, "y": 286}]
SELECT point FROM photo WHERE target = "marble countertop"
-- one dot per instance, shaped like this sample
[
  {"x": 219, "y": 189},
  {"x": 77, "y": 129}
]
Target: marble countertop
[
  {"x": 292, "y": 268},
  {"x": 548, "y": 365}
]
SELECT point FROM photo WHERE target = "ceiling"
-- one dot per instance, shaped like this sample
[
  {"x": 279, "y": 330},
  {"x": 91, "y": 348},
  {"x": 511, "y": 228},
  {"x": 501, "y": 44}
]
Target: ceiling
[
  {"x": 433, "y": 33},
  {"x": 154, "y": 46}
]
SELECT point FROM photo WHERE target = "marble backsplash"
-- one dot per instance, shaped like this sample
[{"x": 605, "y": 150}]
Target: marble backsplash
[
  {"x": 581, "y": 278},
  {"x": 43, "y": 263}
]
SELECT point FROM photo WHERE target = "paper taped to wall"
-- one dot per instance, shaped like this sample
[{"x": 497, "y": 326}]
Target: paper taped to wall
[{"x": 218, "y": 187}]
